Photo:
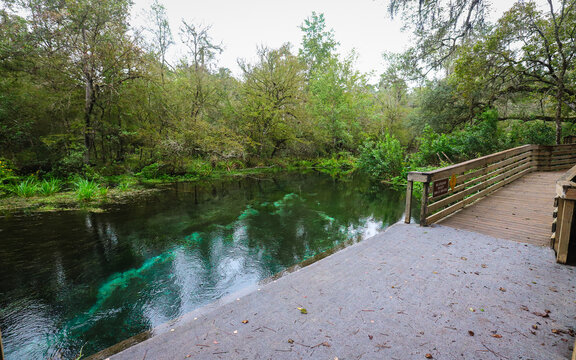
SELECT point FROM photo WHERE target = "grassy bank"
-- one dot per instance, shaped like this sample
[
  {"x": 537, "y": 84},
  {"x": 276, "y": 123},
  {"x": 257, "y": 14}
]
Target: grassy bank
[{"x": 93, "y": 191}]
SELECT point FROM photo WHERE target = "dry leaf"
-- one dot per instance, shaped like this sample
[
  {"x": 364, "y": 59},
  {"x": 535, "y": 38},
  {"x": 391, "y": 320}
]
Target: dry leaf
[
  {"x": 497, "y": 336},
  {"x": 470, "y": 332},
  {"x": 502, "y": 289},
  {"x": 544, "y": 314},
  {"x": 535, "y": 327},
  {"x": 370, "y": 337},
  {"x": 244, "y": 321},
  {"x": 428, "y": 356},
  {"x": 464, "y": 258},
  {"x": 290, "y": 341},
  {"x": 484, "y": 266}
]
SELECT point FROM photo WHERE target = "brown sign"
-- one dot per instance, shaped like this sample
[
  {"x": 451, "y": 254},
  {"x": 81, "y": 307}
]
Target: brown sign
[{"x": 440, "y": 187}]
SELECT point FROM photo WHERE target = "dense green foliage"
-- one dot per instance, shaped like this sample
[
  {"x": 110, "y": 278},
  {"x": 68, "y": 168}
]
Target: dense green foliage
[
  {"x": 82, "y": 94},
  {"x": 384, "y": 158}
]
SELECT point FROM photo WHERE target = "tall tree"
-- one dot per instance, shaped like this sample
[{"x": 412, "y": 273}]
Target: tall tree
[
  {"x": 88, "y": 41},
  {"x": 202, "y": 51},
  {"x": 318, "y": 44},
  {"x": 161, "y": 34},
  {"x": 271, "y": 100},
  {"x": 440, "y": 27},
  {"x": 530, "y": 51}
]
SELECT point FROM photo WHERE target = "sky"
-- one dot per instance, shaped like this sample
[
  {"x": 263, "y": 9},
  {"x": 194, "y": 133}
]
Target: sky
[{"x": 242, "y": 26}]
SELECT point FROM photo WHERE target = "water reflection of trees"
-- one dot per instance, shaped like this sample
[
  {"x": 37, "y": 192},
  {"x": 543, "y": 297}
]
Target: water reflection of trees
[{"x": 63, "y": 258}]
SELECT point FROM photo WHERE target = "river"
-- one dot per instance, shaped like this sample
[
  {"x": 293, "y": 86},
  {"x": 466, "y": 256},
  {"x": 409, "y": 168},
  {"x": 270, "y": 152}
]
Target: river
[{"x": 77, "y": 281}]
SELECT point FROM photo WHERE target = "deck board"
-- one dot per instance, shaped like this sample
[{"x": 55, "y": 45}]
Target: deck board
[{"x": 520, "y": 211}]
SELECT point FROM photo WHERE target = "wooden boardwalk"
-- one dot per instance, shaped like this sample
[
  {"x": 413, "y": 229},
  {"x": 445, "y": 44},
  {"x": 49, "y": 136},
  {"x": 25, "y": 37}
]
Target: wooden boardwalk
[{"x": 520, "y": 211}]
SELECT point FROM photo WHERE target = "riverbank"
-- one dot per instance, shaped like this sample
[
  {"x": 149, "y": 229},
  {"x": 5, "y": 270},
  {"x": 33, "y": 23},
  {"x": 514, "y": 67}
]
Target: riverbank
[
  {"x": 122, "y": 188},
  {"x": 407, "y": 293}
]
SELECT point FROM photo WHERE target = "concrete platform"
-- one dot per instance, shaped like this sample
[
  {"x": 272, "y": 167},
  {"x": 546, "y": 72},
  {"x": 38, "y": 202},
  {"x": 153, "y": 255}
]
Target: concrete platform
[{"x": 403, "y": 294}]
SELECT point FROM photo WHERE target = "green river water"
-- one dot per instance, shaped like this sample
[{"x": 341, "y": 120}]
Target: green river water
[{"x": 80, "y": 280}]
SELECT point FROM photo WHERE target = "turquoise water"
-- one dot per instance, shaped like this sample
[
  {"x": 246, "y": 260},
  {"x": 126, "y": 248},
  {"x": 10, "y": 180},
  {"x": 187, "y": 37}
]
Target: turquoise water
[{"x": 73, "y": 281}]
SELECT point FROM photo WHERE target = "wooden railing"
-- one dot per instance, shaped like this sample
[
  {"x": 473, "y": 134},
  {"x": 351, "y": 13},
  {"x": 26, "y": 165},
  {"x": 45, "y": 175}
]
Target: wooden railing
[
  {"x": 450, "y": 189},
  {"x": 564, "y": 214}
]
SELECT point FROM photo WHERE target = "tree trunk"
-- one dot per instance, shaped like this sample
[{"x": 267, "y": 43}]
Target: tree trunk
[
  {"x": 88, "y": 108},
  {"x": 558, "y": 118}
]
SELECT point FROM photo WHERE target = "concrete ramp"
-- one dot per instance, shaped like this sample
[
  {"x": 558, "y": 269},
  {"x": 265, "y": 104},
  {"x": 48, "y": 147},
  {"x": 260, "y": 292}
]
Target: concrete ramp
[{"x": 408, "y": 293}]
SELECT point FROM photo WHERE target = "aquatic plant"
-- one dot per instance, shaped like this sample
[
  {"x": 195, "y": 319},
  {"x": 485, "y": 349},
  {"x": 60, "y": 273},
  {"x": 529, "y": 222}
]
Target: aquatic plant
[
  {"x": 123, "y": 186},
  {"x": 86, "y": 190},
  {"x": 26, "y": 188},
  {"x": 49, "y": 187}
]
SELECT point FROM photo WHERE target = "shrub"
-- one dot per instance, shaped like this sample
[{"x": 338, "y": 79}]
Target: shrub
[
  {"x": 480, "y": 139},
  {"x": 6, "y": 171},
  {"x": 343, "y": 164},
  {"x": 538, "y": 132},
  {"x": 70, "y": 164},
  {"x": 434, "y": 148},
  {"x": 199, "y": 167},
  {"x": 49, "y": 187},
  {"x": 27, "y": 188},
  {"x": 86, "y": 190},
  {"x": 151, "y": 171},
  {"x": 382, "y": 159}
]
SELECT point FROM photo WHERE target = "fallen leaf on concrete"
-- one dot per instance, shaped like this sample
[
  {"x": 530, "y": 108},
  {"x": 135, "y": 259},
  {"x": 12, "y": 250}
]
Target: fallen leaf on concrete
[
  {"x": 303, "y": 310},
  {"x": 497, "y": 336},
  {"x": 544, "y": 314},
  {"x": 535, "y": 327},
  {"x": 428, "y": 356},
  {"x": 561, "y": 331},
  {"x": 470, "y": 332},
  {"x": 502, "y": 289},
  {"x": 244, "y": 321},
  {"x": 484, "y": 266},
  {"x": 370, "y": 337},
  {"x": 290, "y": 341},
  {"x": 462, "y": 258}
]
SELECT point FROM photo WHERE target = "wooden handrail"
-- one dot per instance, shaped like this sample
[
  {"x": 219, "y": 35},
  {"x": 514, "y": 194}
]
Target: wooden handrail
[
  {"x": 473, "y": 179},
  {"x": 563, "y": 214}
]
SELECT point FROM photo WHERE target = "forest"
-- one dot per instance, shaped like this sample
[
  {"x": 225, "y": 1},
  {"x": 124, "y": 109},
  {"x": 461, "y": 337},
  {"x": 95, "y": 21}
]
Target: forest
[{"x": 85, "y": 97}]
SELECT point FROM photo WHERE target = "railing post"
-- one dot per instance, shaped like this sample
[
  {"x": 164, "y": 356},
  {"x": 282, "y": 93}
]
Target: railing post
[
  {"x": 408, "y": 202},
  {"x": 1, "y": 347},
  {"x": 565, "y": 229},
  {"x": 424, "y": 209}
]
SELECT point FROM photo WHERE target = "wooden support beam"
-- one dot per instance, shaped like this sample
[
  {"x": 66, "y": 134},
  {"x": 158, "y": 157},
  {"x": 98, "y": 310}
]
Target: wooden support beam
[
  {"x": 565, "y": 229},
  {"x": 408, "y": 202}
]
